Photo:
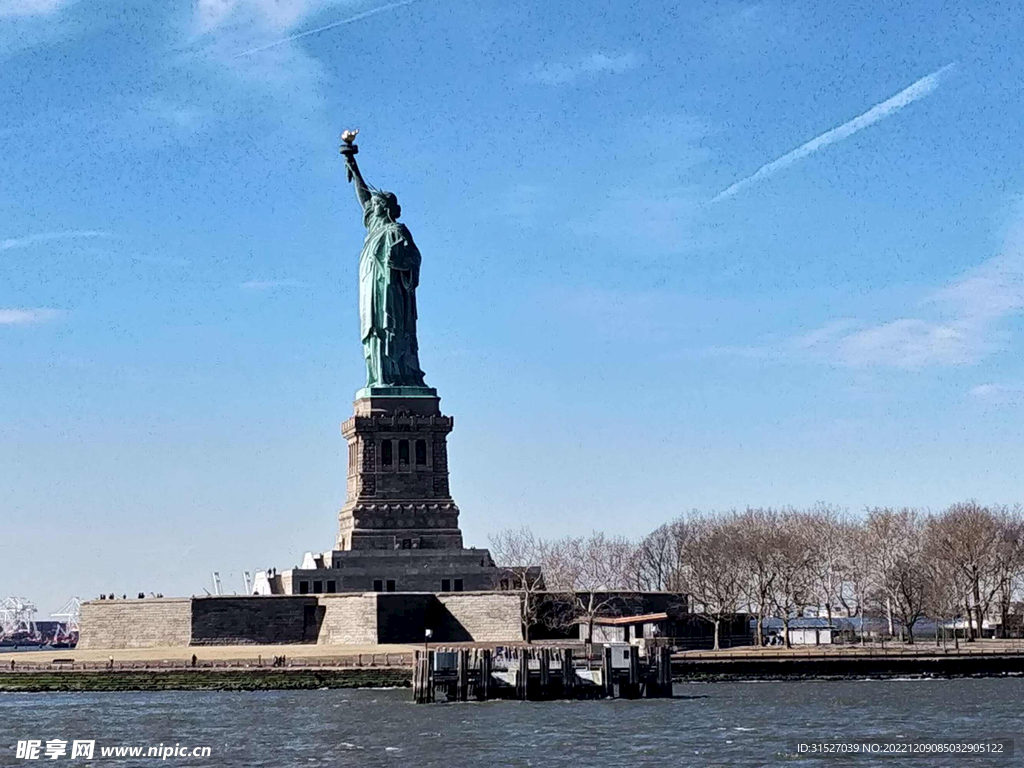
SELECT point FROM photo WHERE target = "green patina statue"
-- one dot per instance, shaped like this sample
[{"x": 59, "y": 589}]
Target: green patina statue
[{"x": 389, "y": 272}]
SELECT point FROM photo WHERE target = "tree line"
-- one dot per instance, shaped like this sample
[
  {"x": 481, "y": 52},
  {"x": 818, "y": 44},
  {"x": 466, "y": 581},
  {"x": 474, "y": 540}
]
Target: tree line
[{"x": 961, "y": 565}]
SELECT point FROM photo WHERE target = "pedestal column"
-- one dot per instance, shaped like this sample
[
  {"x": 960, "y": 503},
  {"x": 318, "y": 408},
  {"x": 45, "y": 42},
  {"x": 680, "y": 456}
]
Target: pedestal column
[{"x": 398, "y": 495}]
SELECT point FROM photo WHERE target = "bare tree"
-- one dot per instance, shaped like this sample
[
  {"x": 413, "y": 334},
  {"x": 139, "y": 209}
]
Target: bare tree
[
  {"x": 792, "y": 556},
  {"x": 590, "y": 573},
  {"x": 854, "y": 593},
  {"x": 681, "y": 534},
  {"x": 657, "y": 559},
  {"x": 895, "y": 541},
  {"x": 886, "y": 532},
  {"x": 830, "y": 564},
  {"x": 966, "y": 563},
  {"x": 713, "y": 574},
  {"x": 949, "y": 589},
  {"x": 971, "y": 538},
  {"x": 520, "y": 556},
  {"x": 908, "y": 581},
  {"x": 1008, "y": 568},
  {"x": 757, "y": 531}
]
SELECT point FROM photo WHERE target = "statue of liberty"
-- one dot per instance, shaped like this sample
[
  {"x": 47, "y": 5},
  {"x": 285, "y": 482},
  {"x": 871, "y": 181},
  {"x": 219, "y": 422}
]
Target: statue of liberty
[{"x": 389, "y": 272}]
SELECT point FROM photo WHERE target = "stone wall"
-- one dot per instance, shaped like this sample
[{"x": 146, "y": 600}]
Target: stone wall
[
  {"x": 255, "y": 620},
  {"x": 348, "y": 620},
  {"x": 149, "y": 623},
  {"x": 412, "y": 570},
  {"x": 402, "y": 618},
  {"x": 485, "y": 617},
  {"x": 343, "y": 619}
]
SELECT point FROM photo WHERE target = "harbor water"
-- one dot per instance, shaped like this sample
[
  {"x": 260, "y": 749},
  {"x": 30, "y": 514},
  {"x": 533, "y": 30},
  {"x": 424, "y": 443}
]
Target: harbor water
[{"x": 709, "y": 724}]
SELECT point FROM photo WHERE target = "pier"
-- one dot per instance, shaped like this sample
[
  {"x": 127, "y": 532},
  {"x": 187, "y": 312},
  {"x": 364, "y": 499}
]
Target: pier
[{"x": 540, "y": 674}]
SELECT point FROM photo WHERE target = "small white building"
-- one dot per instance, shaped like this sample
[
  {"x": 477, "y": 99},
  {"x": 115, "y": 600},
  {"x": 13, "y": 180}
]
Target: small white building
[
  {"x": 816, "y": 635},
  {"x": 802, "y": 631}
]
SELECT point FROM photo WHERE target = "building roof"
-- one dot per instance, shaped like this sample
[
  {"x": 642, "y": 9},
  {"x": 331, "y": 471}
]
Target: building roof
[
  {"x": 642, "y": 618},
  {"x": 802, "y": 622}
]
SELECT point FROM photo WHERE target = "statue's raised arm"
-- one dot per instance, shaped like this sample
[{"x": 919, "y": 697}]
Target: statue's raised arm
[{"x": 349, "y": 150}]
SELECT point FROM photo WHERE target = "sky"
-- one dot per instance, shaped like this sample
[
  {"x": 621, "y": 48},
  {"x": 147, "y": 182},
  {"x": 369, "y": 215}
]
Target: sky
[{"x": 675, "y": 256}]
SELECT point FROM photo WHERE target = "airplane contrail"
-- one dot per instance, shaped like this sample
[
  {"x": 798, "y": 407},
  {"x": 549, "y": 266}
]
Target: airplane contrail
[
  {"x": 332, "y": 25},
  {"x": 27, "y": 240},
  {"x": 910, "y": 94}
]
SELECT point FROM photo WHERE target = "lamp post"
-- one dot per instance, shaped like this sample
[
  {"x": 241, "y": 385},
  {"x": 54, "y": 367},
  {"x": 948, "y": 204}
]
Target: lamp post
[{"x": 427, "y": 634}]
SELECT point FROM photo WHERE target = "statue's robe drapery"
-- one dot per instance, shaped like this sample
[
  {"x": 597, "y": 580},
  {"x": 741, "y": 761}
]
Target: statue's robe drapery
[{"x": 389, "y": 272}]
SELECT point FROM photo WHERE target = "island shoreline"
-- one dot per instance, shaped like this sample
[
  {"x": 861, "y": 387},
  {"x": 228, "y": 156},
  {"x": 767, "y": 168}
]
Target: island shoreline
[{"x": 824, "y": 667}]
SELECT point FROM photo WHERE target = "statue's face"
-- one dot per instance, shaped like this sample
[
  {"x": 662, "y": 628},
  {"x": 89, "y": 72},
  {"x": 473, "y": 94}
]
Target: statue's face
[{"x": 386, "y": 205}]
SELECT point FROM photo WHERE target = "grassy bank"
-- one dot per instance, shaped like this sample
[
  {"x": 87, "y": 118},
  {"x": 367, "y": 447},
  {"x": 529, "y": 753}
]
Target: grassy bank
[{"x": 204, "y": 679}]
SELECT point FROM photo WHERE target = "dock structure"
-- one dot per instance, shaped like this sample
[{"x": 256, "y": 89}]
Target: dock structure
[{"x": 540, "y": 674}]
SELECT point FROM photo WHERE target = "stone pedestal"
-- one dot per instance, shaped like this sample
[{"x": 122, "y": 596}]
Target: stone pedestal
[{"x": 398, "y": 496}]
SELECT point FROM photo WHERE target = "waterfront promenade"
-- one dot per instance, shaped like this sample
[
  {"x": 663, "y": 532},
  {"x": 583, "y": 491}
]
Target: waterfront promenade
[
  {"x": 219, "y": 654},
  {"x": 245, "y": 667},
  {"x": 893, "y": 648},
  {"x": 986, "y": 658},
  {"x": 229, "y": 667},
  {"x": 401, "y": 654}
]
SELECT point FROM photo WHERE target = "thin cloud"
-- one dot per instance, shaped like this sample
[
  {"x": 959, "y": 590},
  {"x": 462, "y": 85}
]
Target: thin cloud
[
  {"x": 912, "y": 342},
  {"x": 963, "y": 323},
  {"x": 27, "y": 316},
  {"x": 590, "y": 66},
  {"x": 280, "y": 90},
  {"x": 999, "y": 394},
  {"x": 26, "y": 241},
  {"x": 30, "y": 7},
  {"x": 325, "y": 27},
  {"x": 269, "y": 285},
  {"x": 877, "y": 113}
]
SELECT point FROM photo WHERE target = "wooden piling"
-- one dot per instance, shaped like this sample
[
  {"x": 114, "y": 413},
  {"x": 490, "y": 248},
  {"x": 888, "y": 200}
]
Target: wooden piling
[
  {"x": 568, "y": 673},
  {"x": 633, "y": 687},
  {"x": 416, "y": 685},
  {"x": 423, "y": 678},
  {"x": 606, "y": 672},
  {"x": 523, "y": 676},
  {"x": 662, "y": 687},
  {"x": 462, "y": 680},
  {"x": 430, "y": 676},
  {"x": 485, "y": 675},
  {"x": 545, "y": 673}
]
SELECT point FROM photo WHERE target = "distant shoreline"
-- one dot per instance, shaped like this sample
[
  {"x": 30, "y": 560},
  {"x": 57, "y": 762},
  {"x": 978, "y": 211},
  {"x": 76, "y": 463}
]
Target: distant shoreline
[
  {"x": 307, "y": 667},
  {"x": 252, "y": 679},
  {"x": 303, "y": 679},
  {"x": 837, "y": 665}
]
